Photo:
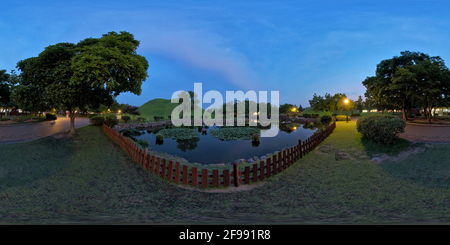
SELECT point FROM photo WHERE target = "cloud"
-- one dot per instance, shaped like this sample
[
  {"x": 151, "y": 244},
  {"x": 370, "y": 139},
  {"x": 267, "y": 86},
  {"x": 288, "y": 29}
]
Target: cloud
[{"x": 203, "y": 51}]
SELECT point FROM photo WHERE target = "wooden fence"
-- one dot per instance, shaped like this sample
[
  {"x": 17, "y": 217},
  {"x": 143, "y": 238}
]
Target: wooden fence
[{"x": 174, "y": 171}]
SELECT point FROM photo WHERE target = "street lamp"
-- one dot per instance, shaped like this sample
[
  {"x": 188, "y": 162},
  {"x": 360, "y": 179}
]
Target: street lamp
[{"x": 346, "y": 111}]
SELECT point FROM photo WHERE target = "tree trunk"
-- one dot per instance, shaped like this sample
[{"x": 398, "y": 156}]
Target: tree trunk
[
  {"x": 429, "y": 116},
  {"x": 72, "y": 117}
]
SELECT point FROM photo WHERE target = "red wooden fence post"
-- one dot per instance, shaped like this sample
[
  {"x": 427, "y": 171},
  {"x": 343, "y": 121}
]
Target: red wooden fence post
[
  {"x": 269, "y": 165},
  {"x": 215, "y": 174},
  {"x": 247, "y": 175},
  {"x": 158, "y": 165},
  {"x": 152, "y": 168},
  {"x": 236, "y": 174},
  {"x": 255, "y": 173},
  {"x": 170, "y": 173},
  {"x": 205, "y": 178},
  {"x": 280, "y": 162},
  {"x": 194, "y": 177},
  {"x": 144, "y": 161},
  {"x": 226, "y": 177}
]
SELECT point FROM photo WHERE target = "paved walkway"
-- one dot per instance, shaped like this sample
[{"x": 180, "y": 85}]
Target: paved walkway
[
  {"x": 425, "y": 132},
  {"x": 14, "y": 133}
]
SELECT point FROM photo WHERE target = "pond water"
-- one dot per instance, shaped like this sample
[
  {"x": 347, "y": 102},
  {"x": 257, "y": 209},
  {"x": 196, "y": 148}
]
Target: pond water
[{"x": 206, "y": 149}]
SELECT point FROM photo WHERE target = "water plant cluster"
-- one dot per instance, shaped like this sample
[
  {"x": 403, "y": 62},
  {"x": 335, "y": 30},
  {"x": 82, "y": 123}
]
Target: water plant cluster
[
  {"x": 238, "y": 133},
  {"x": 179, "y": 133}
]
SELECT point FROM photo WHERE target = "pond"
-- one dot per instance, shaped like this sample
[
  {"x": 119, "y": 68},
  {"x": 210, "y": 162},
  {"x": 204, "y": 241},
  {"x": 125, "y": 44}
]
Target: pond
[{"x": 206, "y": 149}]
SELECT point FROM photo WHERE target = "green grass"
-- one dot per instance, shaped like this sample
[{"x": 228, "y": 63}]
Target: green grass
[
  {"x": 321, "y": 113},
  {"x": 89, "y": 179}
]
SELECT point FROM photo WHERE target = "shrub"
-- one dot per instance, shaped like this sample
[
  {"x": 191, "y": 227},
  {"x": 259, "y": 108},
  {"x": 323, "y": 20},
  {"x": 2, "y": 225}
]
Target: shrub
[
  {"x": 315, "y": 115},
  {"x": 342, "y": 118},
  {"x": 143, "y": 143},
  {"x": 334, "y": 114},
  {"x": 306, "y": 115},
  {"x": 384, "y": 129},
  {"x": 356, "y": 114},
  {"x": 97, "y": 121},
  {"x": 140, "y": 119},
  {"x": 50, "y": 116},
  {"x": 4, "y": 119},
  {"x": 111, "y": 121},
  {"x": 159, "y": 137},
  {"x": 325, "y": 119},
  {"x": 130, "y": 132},
  {"x": 125, "y": 118}
]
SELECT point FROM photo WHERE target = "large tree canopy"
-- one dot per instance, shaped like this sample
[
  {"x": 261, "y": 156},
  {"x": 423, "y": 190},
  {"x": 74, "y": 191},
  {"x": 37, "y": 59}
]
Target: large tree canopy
[
  {"x": 87, "y": 74},
  {"x": 402, "y": 80}
]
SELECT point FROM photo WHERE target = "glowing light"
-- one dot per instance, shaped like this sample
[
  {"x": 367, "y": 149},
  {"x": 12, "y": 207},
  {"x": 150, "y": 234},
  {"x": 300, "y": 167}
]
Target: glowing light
[{"x": 346, "y": 101}]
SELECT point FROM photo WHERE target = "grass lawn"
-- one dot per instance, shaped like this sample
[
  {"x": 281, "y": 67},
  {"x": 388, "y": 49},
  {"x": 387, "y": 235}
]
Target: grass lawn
[
  {"x": 321, "y": 113},
  {"x": 89, "y": 179}
]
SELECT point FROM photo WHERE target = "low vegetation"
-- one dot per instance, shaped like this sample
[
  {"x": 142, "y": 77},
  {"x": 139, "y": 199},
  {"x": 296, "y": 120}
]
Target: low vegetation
[{"x": 383, "y": 129}]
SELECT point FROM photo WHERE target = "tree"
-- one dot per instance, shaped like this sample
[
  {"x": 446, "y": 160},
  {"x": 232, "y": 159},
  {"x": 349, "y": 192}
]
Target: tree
[
  {"x": 5, "y": 90},
  {"x": 132, "y": 110},
  {"x": 86, "y": 74},
  {"x": 345, "y": 106},
  {"x": 316, "y": 103},
  {"x": 394, "y": 85},
  {"x": 359, "y": 104}
]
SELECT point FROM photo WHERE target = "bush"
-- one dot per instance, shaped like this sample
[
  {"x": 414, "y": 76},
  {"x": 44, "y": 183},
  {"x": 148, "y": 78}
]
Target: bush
[
  {"x": 384, "y": 129},
  {"x": 125, "y": 118},
  {"x": 356, "y": 114},
  {"x": 4, "y": 119},
  {"x": 306, "y": 115},
  {"x": 325, "y": 119},
  {"x": 111, "y": 121},
  {"x": 97, "y": 121},
  {"x": 143, "y": 143},
  {"x": 140, "y": 119},
  {"x": 334, "y": 114},
  {"x": 342, "y": 118},
  {"x": 130, "y": 132},
  {"x": 50, "y": 116},
  {"x": 315, "y": 115}
]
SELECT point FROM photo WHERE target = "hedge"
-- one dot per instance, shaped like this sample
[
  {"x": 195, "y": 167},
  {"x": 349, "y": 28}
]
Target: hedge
[{"x": 384, "y": 129}]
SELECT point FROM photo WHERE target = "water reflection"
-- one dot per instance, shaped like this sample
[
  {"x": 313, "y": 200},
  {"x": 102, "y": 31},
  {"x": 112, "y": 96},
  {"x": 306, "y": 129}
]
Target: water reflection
[{"x": 206, "y": 149}]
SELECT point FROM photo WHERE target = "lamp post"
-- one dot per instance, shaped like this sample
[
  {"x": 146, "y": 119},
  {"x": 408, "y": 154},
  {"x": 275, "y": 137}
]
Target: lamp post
[{"x": 346, "y": 111}]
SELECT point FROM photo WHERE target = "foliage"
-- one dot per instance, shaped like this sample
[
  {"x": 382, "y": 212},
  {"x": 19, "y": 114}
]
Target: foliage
[
  {"x": 111, "y": 121},
  {"x": 82, "y": 75},
  {"x": 97, "y": 120},
  {"x": 125, "y": 118},
  {"x": 315, "y": 115},
  {"x": 50, "y": 116},
  {"x": 143, "y": 142},
  {"x": 342, "y": 118},
  {"x": 383, "y": 129},
  {"x": 306, "y": 115},
  {"x": 326, "y": 119},
  {"x": 179, "y": 133},
  {"x": 238, "y": 133},
  {"x": 132, "y": 110},
  {"x": 255, "y": 138},
  {"x": 130, "y": 132},
  {"x": 140, "y": 119},
  {"x": 159, "y": 137}
]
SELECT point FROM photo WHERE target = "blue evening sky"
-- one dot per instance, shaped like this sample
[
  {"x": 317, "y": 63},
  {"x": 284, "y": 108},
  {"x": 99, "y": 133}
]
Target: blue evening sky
[{"x": 295, "y": 47}]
